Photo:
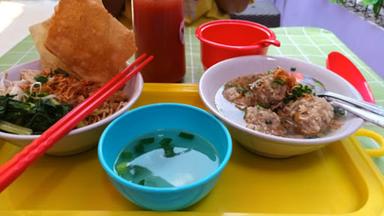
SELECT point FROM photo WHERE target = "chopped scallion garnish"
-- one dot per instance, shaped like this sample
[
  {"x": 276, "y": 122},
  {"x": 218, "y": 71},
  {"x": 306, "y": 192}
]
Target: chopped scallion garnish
[
  {"x": 141, "y": 182},
  {"x": 126, "y": 155},
  {"x": 139, "y": 148},
  {"x": 41, "y": 79},
  {"x": 146, "y": 141},
  {"x": 297, "y": 92},
  {"x": 165, "y": 142},
  {"x": 339, "y": 112},
  {"x": 121, "y": 168},
  {"x": 186, "y": 135},
  {"x": 279, "y": 81},
  {"x": 167, "y": 146}
]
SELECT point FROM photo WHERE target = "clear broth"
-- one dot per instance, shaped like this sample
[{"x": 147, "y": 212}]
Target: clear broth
[{"x": 167, "y": 158}]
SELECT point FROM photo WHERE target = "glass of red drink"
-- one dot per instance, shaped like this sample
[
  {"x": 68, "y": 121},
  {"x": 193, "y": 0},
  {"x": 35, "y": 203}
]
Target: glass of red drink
[{"x": 159, "y": 31}]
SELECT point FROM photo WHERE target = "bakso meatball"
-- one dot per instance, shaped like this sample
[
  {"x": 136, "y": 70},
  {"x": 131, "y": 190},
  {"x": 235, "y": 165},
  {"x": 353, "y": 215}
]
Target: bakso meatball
[
  {"x": 240, "y": 96},
  {"x": 308, "y": 115},
  {"x": 237, "y": 91},
  {"x": 243, "y": 81},
  {"x": 272, "y": 88},
  {"x": 232, "y": 94},
  {"x": 264, "y": 120}
]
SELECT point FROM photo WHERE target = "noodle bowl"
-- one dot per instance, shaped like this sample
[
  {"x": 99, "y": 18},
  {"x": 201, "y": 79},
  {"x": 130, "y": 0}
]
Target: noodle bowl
[{"x": 87, "y": 136}]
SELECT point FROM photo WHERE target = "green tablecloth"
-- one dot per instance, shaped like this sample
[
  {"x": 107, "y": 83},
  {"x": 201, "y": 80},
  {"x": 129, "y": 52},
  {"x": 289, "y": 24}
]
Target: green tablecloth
[{"x": 308, "y": 44}]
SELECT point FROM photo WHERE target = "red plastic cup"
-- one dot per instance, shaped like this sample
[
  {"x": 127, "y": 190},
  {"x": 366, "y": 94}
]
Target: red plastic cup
[{"x": 223, "y": 39}]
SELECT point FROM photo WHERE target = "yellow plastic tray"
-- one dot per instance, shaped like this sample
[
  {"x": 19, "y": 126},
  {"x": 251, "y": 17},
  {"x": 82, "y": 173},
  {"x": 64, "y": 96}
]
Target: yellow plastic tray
[{"x": 340, "y": 179}]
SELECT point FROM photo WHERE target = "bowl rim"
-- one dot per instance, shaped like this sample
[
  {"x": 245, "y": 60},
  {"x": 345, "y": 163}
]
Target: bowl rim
[
  {"x": 200, "y": 181},
  {"x": 279, "y": 139},
  {"x": 199, "y": 33},
  {"x": 135, "y": 96}
]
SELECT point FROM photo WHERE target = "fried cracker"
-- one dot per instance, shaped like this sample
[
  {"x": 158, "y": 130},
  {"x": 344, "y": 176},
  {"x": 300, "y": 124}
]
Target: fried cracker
[
  {"x": 39, "y": 35},
  {"x": 91, "y": 42}
]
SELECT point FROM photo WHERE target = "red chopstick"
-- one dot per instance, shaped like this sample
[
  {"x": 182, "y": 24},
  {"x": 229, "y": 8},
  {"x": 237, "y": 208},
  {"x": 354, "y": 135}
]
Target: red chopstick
[{"x": 14, "y": 167}]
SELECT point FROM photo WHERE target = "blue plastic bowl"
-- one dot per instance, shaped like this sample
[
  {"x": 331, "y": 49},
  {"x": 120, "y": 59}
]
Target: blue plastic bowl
[{"x": 147, "y": 119}]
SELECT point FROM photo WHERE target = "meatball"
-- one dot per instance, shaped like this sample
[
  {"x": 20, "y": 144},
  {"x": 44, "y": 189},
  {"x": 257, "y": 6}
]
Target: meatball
[
  {"x": 243, "y": 81},
  {"x": 272, "y": 88},
  {"x": 264, "y": 120},
  {"x": 237, "y": 91},
  {"x": 240, "y": 96},
  {"x": 308, "y": 115},
  {"x": 232, "y": 94}
]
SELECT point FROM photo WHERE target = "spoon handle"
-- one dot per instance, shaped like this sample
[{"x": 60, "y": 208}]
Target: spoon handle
[
  {"x": 364, "y": 114},
  {"x": 362, "y": 104}
]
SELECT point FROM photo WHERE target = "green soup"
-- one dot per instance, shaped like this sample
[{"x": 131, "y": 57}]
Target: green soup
[{"x": 167, "y": 158}]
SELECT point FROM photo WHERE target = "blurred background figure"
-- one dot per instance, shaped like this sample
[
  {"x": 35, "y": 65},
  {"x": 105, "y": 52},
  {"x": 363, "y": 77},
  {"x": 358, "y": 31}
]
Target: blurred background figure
[{"x": 198, "y": 11}]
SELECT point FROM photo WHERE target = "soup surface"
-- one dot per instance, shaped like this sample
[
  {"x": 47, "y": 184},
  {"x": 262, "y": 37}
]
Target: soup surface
[{"x": 167, "y": 158}]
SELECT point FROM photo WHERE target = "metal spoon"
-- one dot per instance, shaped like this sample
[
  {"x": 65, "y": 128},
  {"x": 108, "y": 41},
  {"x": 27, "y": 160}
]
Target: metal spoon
[
  {"x": 321, "y": 91},
  {"x": 369, "y": 112},
  {"x": 364, "y": 114}
]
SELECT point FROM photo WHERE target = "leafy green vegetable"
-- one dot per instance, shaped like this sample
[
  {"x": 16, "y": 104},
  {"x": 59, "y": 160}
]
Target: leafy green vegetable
[
  {"x": 41, "y": 94},
  {"x": 36, "y": 113},
  {"x": 297, "y": 92},
  {"x": 377, "y": 7},
  {"x": 186, "y": 135},
  {"x": 41, "y": 79},
  {"x": 370, "y": 2},
  {"x": 13, "y": 128}
]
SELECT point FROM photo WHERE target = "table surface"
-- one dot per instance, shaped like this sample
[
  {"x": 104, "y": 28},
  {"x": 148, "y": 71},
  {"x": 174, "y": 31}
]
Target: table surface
[{"x": 307, "y": 44}]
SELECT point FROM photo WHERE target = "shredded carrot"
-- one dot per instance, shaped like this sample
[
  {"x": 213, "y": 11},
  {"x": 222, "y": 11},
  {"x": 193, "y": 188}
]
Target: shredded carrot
[{"x": 70, "y": 90}]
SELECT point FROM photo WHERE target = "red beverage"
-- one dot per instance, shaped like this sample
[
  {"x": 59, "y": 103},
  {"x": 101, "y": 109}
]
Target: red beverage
[{"x": 159, "y": 31}]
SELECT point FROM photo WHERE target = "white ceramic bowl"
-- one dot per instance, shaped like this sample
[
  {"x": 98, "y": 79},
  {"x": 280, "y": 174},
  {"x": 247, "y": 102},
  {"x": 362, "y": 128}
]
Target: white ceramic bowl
[
  {"x": 262, "y": 143},
  {"x": 80, "y": 139}
]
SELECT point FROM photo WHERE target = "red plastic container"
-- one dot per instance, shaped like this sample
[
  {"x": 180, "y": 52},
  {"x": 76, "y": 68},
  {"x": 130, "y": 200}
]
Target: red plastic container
[{"x": 223, "y": 39}]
